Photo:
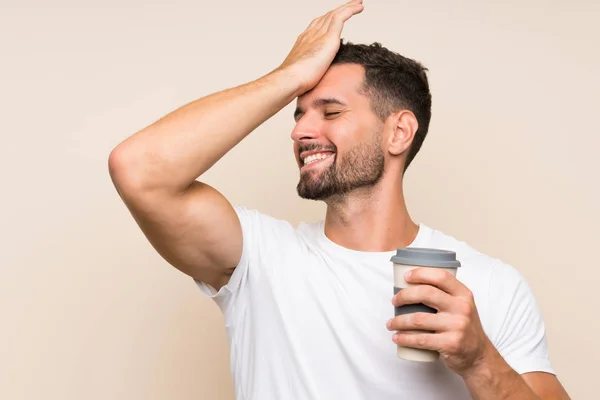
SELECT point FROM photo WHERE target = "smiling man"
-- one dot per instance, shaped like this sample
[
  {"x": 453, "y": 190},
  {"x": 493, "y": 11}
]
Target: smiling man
[
  {"x": 322, "y": 173},
  {"x": 308, "y": 308}
]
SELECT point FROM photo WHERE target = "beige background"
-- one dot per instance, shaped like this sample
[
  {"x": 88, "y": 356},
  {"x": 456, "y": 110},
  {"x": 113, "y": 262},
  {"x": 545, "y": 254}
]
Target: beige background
[{"x": 89, "y": 311}]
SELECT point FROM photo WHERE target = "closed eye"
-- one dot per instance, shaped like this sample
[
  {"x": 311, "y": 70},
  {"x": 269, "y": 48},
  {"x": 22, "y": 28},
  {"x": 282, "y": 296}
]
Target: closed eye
[{"x": 332, "y": 114}]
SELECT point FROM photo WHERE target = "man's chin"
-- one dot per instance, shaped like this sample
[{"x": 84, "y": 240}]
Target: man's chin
[
  {"x": 311, "y": 193},
  {"x": 311, "y": 196}
]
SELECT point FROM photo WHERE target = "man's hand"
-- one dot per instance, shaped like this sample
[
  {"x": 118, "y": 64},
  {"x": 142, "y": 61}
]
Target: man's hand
[
  {"x": 317, "y": 46},
  {"x": 455, "y": 331}
]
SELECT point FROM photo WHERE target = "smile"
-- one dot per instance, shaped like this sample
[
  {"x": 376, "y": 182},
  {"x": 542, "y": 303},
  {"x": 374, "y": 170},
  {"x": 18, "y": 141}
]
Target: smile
[{"x": 316, "y": 158}]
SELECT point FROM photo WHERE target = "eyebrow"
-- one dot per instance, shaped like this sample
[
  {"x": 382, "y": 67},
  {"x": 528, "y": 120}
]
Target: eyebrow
[{"x": 320, "y": 102}]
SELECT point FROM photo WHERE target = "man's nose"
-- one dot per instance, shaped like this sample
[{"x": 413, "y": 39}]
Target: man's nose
[{"x": 305, "y": 129}]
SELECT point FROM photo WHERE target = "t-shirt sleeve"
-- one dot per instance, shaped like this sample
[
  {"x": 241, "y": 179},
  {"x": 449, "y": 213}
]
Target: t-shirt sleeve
[
  {"x": 248, "y": 222},
  {"x": 520, "y": 335},
  {"x": 261, "y": 234}
]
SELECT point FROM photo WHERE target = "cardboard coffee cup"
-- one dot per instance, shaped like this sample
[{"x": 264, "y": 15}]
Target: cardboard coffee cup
[{"x": 405, "y": 260}]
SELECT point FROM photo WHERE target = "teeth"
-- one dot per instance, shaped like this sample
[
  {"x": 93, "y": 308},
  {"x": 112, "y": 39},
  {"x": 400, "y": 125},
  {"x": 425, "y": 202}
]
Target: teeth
[{"x": 315, "y": 157}]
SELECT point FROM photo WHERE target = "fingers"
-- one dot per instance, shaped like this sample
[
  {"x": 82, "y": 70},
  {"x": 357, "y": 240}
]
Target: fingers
[
  {"x": 342, "y": 15},
  {"x": 419, "y": 321},
  {"x": 429, "y": 341},
  {"x": 324, "y": 22},
  {"x": 426, "y": 294},
  {"x": 352, "y": 3},
  {"x": 440, "y": 278}
]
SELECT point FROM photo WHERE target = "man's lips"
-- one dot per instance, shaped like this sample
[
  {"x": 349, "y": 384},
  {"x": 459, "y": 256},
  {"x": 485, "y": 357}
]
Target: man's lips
[
  {"x": 315, "y": 159},
  {"x": 305, "y": 154}
]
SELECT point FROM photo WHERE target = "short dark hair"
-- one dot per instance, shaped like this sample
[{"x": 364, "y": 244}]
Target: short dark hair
[{"x": 392, "y": 82}]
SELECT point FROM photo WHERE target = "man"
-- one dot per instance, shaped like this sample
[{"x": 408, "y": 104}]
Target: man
[{"x": 307, "y": 308}]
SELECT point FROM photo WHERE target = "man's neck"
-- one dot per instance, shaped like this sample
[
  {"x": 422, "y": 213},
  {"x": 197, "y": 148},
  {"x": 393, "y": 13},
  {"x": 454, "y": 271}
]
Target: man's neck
[{"x": 370, "y": 220}]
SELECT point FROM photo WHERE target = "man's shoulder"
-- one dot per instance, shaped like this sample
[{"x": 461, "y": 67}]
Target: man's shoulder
[
  {"x": 256, "y": 216},
  {"x": 253, "y": 219},
  {"x": 474, "y": 262},
  {"x": 464, "y": 250}
]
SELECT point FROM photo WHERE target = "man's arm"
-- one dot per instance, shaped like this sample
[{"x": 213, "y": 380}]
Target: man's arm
[
  {"x": 546, "y": 386},
  {"x": 154, "y": 171},
  {"x": 493, "y": 379}
]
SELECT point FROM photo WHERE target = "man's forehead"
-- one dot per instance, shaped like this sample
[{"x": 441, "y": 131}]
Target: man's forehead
[{"x": 341, "y": 81}]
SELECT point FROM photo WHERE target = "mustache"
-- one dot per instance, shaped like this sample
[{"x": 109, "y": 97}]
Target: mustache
[{"x": 316, "y": 147}]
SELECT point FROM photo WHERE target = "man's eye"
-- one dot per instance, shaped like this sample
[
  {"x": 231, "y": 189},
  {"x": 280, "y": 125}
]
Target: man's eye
[{"x": 332, "y": 114}]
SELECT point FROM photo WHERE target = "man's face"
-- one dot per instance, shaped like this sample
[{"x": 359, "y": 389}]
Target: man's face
[{"x": 337, "y": 138}]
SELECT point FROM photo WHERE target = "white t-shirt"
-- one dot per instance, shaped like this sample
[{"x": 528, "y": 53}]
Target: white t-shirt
[{"x": 306, "y": 318}]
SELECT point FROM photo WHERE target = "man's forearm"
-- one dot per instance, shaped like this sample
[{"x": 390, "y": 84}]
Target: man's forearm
[
  {"x": 494, "y": 379},
  {"x": 175, "y": 150}
]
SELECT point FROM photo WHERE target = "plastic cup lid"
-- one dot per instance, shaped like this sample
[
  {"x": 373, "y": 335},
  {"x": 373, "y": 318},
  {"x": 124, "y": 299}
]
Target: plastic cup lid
[{"x": 426, "y": 257}]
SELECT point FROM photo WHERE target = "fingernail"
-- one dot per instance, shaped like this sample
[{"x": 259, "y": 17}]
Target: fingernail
[
  {"x": 407, "y": 274},
  {"x": 389, "y": 324},
  {"x": 395, "y": 337}
]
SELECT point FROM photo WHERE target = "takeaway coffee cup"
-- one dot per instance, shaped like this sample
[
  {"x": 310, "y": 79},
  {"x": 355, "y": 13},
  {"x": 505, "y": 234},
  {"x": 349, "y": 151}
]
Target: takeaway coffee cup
[{"x": 405, "y": 260}]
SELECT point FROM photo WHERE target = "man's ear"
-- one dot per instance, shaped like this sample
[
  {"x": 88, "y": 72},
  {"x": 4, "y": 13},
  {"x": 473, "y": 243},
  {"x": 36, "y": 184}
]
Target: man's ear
[{"x": 404, "y": 125}]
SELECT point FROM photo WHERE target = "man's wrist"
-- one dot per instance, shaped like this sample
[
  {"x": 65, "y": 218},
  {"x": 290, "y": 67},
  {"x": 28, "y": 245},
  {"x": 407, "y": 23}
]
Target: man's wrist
[
  {"x": 490, "y": 363},
  {"x": 287, "y": 80},
  {"x": 492, "y": 374}
]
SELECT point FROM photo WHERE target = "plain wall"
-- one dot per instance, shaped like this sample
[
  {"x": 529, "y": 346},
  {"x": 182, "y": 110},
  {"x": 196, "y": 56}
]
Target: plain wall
[{"x": 90, "y": 311}]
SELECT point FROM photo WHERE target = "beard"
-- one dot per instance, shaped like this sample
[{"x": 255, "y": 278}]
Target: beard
[{"x": 360, "y": 167}]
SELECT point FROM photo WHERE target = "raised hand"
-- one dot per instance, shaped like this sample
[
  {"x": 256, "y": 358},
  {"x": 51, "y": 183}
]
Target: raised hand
[{"x": 317, "y": 46}]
